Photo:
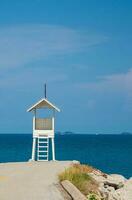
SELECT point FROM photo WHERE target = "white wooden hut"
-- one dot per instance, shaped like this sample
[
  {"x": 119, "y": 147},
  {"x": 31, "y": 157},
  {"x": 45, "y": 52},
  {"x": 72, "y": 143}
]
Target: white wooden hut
[{"x": 43, "y": 130}]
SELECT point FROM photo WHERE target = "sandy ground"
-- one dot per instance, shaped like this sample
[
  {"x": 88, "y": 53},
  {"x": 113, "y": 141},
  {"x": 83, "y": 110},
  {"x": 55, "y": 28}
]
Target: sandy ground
[{"x": 31, "y": 180}]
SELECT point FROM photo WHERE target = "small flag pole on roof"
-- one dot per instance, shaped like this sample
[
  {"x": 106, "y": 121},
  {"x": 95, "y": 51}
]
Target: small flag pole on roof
[{"x": 45, "y": 91}]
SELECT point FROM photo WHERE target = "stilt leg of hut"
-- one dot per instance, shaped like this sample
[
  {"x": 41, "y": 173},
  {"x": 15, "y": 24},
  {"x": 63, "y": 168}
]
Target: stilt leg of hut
[
  {"x": 33, "y": 148},
  {"x": 53, "y": 149}
]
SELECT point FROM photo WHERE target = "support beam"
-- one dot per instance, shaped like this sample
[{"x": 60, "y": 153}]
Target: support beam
[
  {"x": 53, "y": 149},
  {"x": 33, "y": 148}
]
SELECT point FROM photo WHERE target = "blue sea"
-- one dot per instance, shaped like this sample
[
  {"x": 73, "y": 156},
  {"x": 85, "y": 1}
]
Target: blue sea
[{"x": 109, "y": 153}]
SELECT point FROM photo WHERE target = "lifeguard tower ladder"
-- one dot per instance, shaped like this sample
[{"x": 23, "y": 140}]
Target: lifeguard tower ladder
[{"x": 43, "y": 131}]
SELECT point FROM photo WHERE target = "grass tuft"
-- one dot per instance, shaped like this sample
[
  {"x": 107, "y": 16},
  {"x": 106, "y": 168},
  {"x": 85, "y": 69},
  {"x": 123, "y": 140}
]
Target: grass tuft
[{"x": 77, "y": 174}]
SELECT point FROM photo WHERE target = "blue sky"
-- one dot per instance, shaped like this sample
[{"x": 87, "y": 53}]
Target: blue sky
[{"x": 81, "y": 48}]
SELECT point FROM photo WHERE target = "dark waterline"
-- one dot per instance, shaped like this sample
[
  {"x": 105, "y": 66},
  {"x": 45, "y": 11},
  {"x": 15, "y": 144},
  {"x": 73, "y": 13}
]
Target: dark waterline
[{"x": 109, "y": 153}]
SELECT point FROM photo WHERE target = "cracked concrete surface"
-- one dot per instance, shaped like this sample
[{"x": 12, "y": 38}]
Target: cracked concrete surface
[{"x": 31, "y": 180}]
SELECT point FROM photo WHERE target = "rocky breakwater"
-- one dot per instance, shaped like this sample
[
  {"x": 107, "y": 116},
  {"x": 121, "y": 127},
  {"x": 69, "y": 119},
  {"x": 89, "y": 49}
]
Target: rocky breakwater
[{"x": 113, "y": 186}]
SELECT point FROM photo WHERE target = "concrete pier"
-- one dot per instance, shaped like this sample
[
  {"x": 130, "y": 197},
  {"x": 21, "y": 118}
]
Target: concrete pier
[{"x": 31, "y": 180}]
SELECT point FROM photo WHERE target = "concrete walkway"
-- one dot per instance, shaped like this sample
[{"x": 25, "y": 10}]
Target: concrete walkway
[{"x": 31, "y": 180}]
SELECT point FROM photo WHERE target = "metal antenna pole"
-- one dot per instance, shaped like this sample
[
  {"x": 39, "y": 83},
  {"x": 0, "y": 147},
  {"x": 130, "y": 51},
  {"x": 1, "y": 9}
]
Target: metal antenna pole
[{"x": 45, "y": 92}]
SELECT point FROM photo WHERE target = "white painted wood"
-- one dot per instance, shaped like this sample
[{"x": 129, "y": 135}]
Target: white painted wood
[
  {"x": 43, "y": 103},
  {"x": 42, "y": 156},
  {"x": 42, "y": 146},
  {"x": 47, "y": 132},
  {"x": 53, "y": 149},
  {"x": 43, "y": 142},
  {"x": 33, "y": 149},
  {"x": 42, "y": 136},
  {"x": 40, "y": 160},
  {"x": 43, "y": 149},
  {"x": 43, "y": 128}
]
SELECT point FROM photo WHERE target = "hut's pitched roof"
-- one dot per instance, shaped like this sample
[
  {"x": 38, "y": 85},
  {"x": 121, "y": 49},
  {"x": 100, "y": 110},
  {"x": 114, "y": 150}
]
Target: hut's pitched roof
[{"x": 43, "y": 103}]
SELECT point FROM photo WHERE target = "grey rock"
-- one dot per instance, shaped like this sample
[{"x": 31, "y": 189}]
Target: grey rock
[
  {"x": 98, "y": 178},
  {"x": 119, "y": 178},
  {"x": 115, "y": 180},
  {"x": 126, "y": 191},
  {"x": 109, "y": 193},
  {"x": 72, "y": 190},
  {"x": 75, "y": 162},
  {"x": 114, "y": 186}
]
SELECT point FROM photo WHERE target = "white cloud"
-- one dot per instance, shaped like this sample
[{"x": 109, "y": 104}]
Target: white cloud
[
  {"x": 27, "y": 43},
  {"x": 120, "y": 82},
  {"x": 115, "y": 86}
]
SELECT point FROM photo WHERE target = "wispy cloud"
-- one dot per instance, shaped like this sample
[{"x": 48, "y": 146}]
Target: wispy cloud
[
  {"x": 20, "y": 45},
  {"x": 121, "y": 81},
  {"x": 117, "y": 86}
]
